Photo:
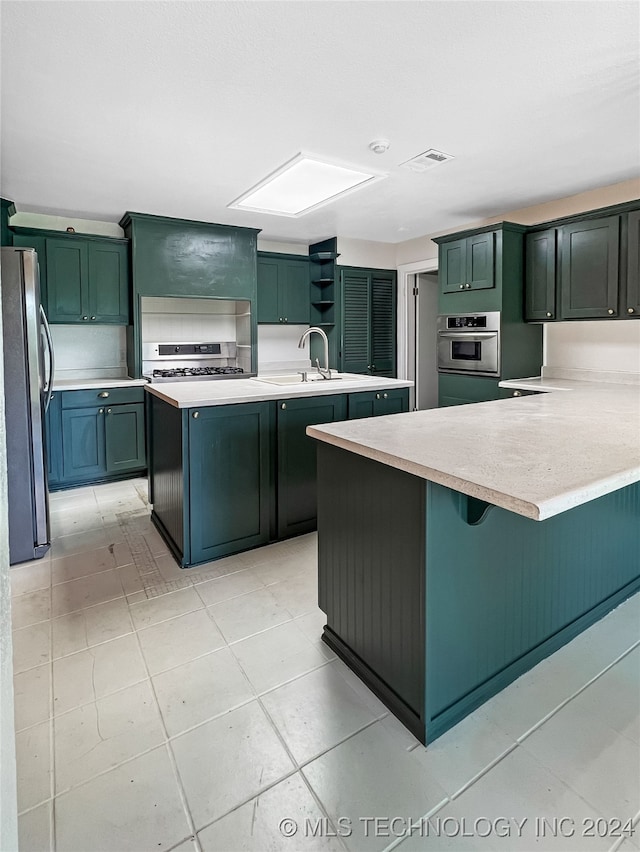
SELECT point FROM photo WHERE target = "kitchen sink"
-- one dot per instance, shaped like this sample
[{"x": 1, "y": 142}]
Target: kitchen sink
[{"x": 296, "y": 378}]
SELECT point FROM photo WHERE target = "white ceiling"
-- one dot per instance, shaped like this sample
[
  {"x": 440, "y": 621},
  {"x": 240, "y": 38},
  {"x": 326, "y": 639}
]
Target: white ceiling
[{"x": 178, "y": 108}]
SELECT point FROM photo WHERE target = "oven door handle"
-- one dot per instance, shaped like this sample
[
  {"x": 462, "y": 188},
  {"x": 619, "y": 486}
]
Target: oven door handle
[{"x": 469, "y": 336}]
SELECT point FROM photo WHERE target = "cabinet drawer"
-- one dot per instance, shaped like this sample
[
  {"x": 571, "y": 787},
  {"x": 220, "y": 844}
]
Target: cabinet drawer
[{"x": 115, "y": 396}]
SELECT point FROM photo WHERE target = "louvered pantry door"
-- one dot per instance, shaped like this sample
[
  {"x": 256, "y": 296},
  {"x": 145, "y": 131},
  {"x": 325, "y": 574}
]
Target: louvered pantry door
[
  {"x": 383, "y": 324},
  {"x": 355, "y": 322}
]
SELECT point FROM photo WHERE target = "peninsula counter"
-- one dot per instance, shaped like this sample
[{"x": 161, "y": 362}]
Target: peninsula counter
[{"x": 459, "y": 547}]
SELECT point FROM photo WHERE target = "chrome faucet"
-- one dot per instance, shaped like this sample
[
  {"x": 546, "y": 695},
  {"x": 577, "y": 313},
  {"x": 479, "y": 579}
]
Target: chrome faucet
[{"x": 325, "y": 371}]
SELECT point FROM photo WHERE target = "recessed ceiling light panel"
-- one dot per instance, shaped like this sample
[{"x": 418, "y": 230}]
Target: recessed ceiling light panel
[{"x": 302, "y": 185}]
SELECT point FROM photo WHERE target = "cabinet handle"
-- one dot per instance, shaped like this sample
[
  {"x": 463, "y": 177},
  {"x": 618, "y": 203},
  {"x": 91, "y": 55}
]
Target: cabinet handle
[
  {"x": 385, "y": 396},
  {"x": 108, "y": 411},
  {"x": 195, "y": 415},
  {"x": 517, "y": 393},
  {"x": 467, "y": 286},
  {"x": 462, "y": 286},
  {"x": 279, "y": 319},
  {"x": 549, "y": 314},
  {"x": 103, "y": 394},
  {"x": 286, "y": 319},
  {"x": 611, "y": 312},
  {"x": 377, "y": 396},
  {"x": 85, "y": 318},
  {"x": 101, "y": 411},
  {"x": 283, "y": 406},
  {"x": 92, "y": 318},
  {"x": 631, "y": 310}
]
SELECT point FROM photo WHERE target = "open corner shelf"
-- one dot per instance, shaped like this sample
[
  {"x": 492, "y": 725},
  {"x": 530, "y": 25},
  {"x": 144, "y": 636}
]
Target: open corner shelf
[{"x": 323, "y": 255}]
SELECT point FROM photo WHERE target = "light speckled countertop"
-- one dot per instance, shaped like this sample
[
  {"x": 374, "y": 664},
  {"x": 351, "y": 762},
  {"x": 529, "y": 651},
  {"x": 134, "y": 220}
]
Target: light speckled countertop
[
  {"x": 536, "y": 455},
  {"x": 87, "y": 384},
  {"x": 229, "y": 391}
]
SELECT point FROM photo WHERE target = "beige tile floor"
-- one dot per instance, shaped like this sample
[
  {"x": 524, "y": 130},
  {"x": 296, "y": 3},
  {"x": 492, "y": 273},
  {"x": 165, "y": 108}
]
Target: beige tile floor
[{"x": 163, "y": 709}]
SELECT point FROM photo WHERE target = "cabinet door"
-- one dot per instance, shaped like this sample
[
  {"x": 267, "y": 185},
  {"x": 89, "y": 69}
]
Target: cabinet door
[
  {"x": 268, "y": 291},
  {"x": 229, "y": 478},
  {"x": 53, "y": 440},
  {"x": 124, "y": 437},
  {"x": 294, "y": 292},
  {"x": 480, "y": 261},
  {"x": 67, "y": 281},
  {"x": 361, "y": 405},
  {"x": 108, "y": 283},
  {"x": 631, "y": 304},
  {"x": 589, "y": 268},
  {"x": 452, "y": 266},
  {"x": 82, "y": 444},
  {"x": 297, "y": 458},
  {"x": 392, "y": 401},
  {"x": 540, "y": 281},
  {"x": 356, "y": 323},
  {"x": 383, "y": 325}
]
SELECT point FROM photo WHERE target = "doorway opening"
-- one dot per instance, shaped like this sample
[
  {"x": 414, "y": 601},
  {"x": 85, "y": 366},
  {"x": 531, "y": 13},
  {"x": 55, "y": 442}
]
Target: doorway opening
[{"x": 417, "y": 331}]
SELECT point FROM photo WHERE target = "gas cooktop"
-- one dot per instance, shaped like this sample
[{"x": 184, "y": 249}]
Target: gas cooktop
[{"x": 177, "y": 374}]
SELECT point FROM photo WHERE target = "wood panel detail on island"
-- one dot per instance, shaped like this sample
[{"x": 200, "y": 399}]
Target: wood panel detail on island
[{"x": 438, "y": 599}]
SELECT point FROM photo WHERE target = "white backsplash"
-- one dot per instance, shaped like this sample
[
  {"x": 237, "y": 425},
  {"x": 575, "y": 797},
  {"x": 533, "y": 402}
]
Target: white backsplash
[
  {"x": 278, "y": 348},
  {"x": 602, "y": 346},
  {"x": 93, "y": 351}
]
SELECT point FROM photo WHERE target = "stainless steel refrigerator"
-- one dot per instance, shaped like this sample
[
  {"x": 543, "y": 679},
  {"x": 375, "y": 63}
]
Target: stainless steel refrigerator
[{"x": 28, "y": 378}]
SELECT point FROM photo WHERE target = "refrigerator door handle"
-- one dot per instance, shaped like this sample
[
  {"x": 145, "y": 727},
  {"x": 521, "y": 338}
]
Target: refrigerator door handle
[{"x": 47, "y": 331}]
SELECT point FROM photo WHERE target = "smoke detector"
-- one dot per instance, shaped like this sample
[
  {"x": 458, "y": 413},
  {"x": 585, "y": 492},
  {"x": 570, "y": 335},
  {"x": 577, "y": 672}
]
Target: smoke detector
[
  {"x": 427, "y": 160},
  {"x": 379, "y": 146}
]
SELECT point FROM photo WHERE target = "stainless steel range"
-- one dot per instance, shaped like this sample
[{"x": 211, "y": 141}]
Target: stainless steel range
[{"x": 175, "y": 362}]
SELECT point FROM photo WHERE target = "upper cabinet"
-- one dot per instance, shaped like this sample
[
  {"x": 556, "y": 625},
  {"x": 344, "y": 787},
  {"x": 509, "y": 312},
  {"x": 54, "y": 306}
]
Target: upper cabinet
[
  {"x": 631, "y": 302},
  {"x": 468, "y": 263},
  {"x": 540, "y": 287},
  {"x": 589, "y": 263},
  {"x": 83, "y": 279},
  {"x": 584, "y": 267},
  {"x": 283, "y": 288},
  {"x": 368, "y": 299}
]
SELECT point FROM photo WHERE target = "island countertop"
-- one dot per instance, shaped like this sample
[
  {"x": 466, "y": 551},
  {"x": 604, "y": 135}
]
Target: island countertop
[
  {"x": 198, "y": 394},
  {"x": 536, "y": 456}
]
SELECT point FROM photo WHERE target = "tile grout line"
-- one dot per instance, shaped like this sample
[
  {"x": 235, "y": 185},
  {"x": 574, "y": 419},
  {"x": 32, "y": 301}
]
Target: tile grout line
[{"x": 568, "y": 700}]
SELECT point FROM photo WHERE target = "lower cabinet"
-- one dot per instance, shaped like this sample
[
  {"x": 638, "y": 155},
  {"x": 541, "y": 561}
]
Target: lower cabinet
[
  {"x": 92, "y": 442},
  {"x": 228, "y": 478},
  {"x": 375, "y": 403},
  {"x": 296, "y": 480},
  {"x": 462, "y": 390}
]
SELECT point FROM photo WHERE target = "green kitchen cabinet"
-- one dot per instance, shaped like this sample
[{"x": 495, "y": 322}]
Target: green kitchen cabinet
[
  {"x": 589, "y": 268},
  {"x": 124, "y": 434},
  {"x": 468, "y": 263},
  {"x": 325, "y": 299},
  {"x": 296, "y": 453},
  {"x": 368, "y": 298},
  {"x": 540, "y": 275},
  {"x": 283, "y": 289},
  {"x": 53, "y": 440},
  {"x": 229, "y": 478},
  {"x": 95, "y": 435},
  {"x": 376, "y": 403},
  {"x": 83, "y": 279},
  {"x": 631, "y": 302},
  {"x": 83, "y": 444},
  {"x": 464, "y": 390}
]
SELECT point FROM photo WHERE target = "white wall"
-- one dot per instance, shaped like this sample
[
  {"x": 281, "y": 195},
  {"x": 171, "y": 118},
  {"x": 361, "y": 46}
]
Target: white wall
[
  {"x": 278, "y": 348},
  {"x": 283, "y": 248},
  {"x": 98, "y": 351},
  {"x": 366, "y": 253},
  {"x": 608, "y": 345},
  {"x": 61, "y": 223}
]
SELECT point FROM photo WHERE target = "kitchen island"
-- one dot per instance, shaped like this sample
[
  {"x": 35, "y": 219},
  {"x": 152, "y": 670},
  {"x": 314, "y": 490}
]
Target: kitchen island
[
  {"x": 459, "y": 547},
  {"x": 230, "y": 464}
]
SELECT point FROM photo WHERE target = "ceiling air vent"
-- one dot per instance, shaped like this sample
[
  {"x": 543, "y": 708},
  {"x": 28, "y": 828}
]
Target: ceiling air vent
[{"x": 427, "y": 160}]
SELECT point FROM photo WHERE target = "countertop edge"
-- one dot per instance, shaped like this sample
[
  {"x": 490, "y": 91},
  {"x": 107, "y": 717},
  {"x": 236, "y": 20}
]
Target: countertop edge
[{"x": 90, "y": 384}]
